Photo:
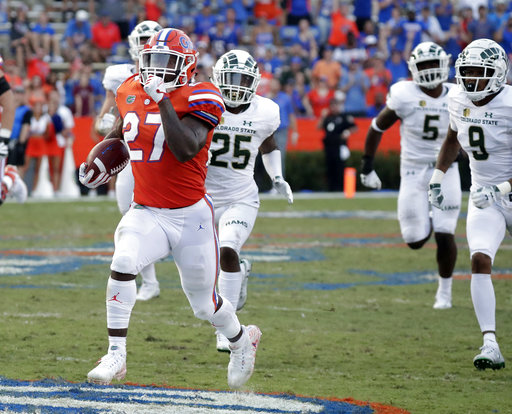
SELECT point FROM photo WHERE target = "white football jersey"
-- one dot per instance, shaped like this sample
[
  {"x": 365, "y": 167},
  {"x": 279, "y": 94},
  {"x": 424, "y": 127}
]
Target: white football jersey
[
  {"x": 115, "y": 75},
  {"x": 424, "y": 120},
  {"x": 235, "y": 145},
  {"x": 485, "y": 133}
]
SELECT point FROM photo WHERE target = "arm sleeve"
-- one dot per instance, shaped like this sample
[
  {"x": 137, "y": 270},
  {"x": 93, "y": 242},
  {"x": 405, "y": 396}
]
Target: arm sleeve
[{"x": 4, "y": 85}]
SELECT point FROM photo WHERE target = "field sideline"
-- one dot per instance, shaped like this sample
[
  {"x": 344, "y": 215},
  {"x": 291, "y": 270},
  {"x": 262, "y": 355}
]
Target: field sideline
[{"x": 345, "y": 309}]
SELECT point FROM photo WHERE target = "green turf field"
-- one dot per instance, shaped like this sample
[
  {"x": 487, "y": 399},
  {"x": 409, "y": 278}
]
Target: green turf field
[{"x": 344, "y": 306}]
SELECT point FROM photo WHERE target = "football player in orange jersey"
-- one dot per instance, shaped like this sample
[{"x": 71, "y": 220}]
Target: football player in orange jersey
[
  {"x": 115, "y": 75},
  {"x": 168, "y": 123}
]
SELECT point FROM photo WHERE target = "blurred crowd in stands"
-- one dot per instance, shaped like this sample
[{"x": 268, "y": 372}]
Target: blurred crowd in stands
[{"x": 309, "y": 51}]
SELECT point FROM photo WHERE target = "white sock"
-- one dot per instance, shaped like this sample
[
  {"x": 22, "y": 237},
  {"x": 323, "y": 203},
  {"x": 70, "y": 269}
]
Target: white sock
[
  {"x": 120, "y": 301},
  {"x": 117, "y": 343},
  {"x": 230, "y": 284},
  {"x": 445, "y": 284},
  {"x": 148, "y": 275},
  {"x": 484, "y": 301},
  {"x": 489, "y": 337},
  {"x": 225, "y": 320}
]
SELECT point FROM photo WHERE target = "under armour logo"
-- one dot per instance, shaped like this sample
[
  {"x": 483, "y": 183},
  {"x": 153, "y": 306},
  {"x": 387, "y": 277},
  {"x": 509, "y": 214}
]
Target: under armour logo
[
  {"x": 114, "y": 298},
  {"x": 488, "y": 115},
  {"x": 249, "y": 123}
]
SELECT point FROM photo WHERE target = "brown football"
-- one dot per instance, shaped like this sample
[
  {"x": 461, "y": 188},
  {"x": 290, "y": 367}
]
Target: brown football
[{"x": 109, "y": 156}]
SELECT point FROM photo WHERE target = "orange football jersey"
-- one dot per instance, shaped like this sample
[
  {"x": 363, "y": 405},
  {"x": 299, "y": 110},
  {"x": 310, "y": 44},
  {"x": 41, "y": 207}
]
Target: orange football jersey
[{"x": 160, "y": 179}]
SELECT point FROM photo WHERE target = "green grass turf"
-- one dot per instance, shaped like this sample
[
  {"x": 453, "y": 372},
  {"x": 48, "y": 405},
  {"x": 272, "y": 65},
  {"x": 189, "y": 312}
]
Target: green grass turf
[{"x": 371, "y": 342}]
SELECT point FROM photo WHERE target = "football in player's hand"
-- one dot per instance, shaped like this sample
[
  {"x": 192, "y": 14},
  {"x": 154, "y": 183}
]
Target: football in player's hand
[{"x": 109, "y": 156}]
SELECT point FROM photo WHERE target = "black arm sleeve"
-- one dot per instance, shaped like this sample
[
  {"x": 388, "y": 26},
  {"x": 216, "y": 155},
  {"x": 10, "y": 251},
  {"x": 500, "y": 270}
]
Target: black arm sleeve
[{"x": 4, "y": 85}]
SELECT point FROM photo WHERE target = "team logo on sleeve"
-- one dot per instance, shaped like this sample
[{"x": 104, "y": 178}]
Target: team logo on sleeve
[
  {"x": 130, "y": 99},
  {"x": 423, "y": 103},
  {"x": 466, "y": 112}
]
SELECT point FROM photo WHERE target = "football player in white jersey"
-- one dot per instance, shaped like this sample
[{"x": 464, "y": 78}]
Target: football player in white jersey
[
  {"x": 481, "y": 124},
  {"x": 422, "y": 107},
  {"x": 115, "y": 75},
  {"x": 247, "y": 126}
]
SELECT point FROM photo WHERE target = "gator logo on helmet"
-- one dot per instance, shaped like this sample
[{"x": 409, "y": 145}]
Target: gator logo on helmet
[{"x": 187, "y": 44}]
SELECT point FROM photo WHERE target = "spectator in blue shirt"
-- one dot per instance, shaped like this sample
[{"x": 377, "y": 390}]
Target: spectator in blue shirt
[
  {"x": 482, "y": 28},
  {"x": 43, "y": 36},
  {"x": 221, "y": 37},
  {"x": 240, "y": 12},
  {"x": 354, "y": 83},
  {"x": 444, "y": 13},
  {"x": 362, "y": 12},
  {"x": 504, "y": 36},
  {"x": 385, "y": 7},
  {"x": 20, "y": 128},
  {"x": 500, "y": 14},
  {"x": 397, "y": 66},
  {"x": 409, "y": 31},
  {"x": 453, "y": 45},
  {"x": 78, "y": 33},
  {"x": 205, "y": 20},
  {"x": 298, "y": 10}
]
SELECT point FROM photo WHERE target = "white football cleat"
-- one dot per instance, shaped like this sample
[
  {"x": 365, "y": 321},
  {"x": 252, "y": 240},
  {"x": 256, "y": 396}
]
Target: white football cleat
[
  {"x": 490, "y": 357},
  {"x": 246, "y": 267},
  {"x": 222, "y": 342},
  {"x": 443, "y": 300},
  {"x": 19, "y": 189},
  {"x": 148, "y": 291},
  {"x": 111, "y": 366},
  {"x": 243, "y": 356}
]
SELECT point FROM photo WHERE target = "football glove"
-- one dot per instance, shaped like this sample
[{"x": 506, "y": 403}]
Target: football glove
[
  {"x": 435, "y": 195},
  {"x": 371, "y": 180},
  {"x": 485, "y": 196},
  {"x": 4, "y": 149},
  {"x": 5, "y": 137},
  {"x": 283, "y": 188},
  {"x": 154, "y": 87},
  {"x": 87, "y": 178},
  {"x": 106, "y": 123}
]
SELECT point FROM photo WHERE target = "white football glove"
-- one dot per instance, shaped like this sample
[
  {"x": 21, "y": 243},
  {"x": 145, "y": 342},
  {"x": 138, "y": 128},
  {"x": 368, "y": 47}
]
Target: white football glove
[
  {"x": 485, "y": 196},
  {"x": 5, "y": 138},
  {"x": 106, "y": 123},
  {"x": 283, "y": 188},
  {"x": 154, "y": 87},
  {"x": 4, "y": 149},
  {"x": 371, "y": 180},
  {"x": 435, "y": 195},
  {"x": 85, "y": 178}
]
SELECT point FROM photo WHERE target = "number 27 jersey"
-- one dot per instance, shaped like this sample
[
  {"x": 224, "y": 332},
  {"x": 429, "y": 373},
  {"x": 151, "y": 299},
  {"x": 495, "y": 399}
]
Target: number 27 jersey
[{"x": 160, "y": 179}]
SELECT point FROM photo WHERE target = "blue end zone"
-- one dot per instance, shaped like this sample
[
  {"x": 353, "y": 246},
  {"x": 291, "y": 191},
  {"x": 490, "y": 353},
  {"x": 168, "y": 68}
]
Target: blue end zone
[{"x": 52, "y": 396}]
